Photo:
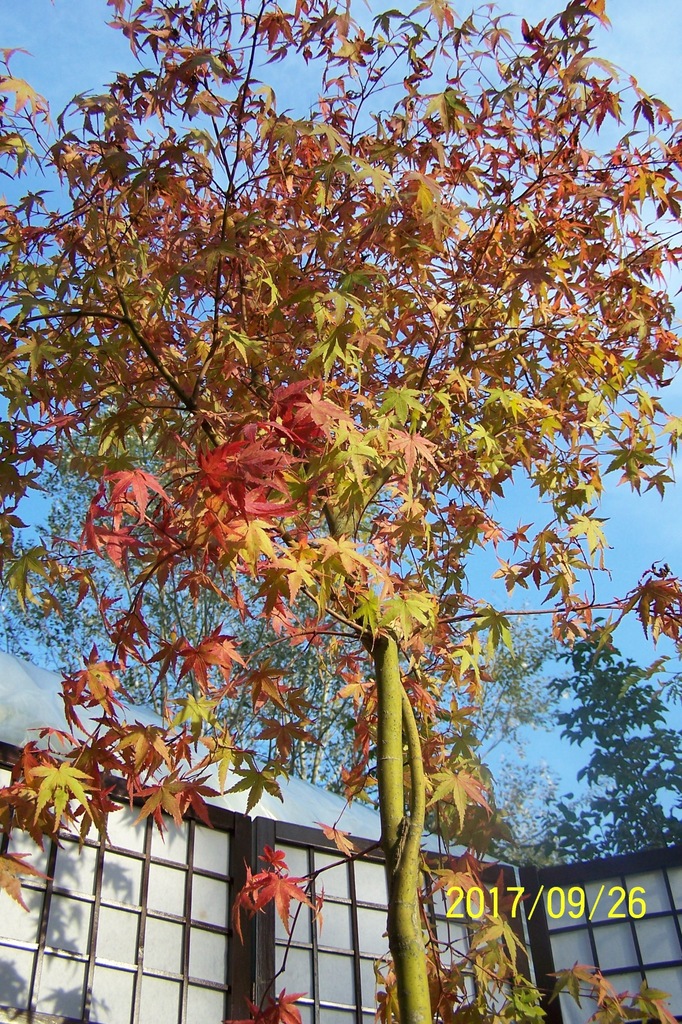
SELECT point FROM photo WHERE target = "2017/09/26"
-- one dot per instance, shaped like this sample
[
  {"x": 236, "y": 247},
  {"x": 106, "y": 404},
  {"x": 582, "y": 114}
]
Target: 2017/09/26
[{"x": 574, "y": 902}]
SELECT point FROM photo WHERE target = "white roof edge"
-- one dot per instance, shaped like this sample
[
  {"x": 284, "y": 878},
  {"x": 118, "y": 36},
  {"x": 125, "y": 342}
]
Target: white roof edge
[{"x": 30, "y": 699}]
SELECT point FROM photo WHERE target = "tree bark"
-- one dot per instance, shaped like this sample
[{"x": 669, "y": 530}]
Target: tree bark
[{"x": 401, "y": 831}]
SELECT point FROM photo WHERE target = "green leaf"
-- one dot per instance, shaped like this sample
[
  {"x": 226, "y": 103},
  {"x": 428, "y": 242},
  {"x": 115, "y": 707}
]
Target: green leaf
[
  {"x": 401, "y": 401},
  {"x": 31, "y": 561}
]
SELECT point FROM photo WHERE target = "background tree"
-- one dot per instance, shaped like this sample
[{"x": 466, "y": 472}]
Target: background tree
[
  {"x": 634, "y": 769},
  {"x": 516, "y": 697},
  {"x": 344, "y": 335}
]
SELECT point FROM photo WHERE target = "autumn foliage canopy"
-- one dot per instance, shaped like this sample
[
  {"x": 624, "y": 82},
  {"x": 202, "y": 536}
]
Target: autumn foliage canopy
[{"x": 346, "y": 330}]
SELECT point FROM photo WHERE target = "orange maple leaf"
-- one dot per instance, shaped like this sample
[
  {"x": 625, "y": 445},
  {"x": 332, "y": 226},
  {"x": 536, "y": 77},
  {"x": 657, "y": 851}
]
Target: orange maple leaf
[
  {"x": 12, "y": 865},
  {"x": 339, "y": 838}
]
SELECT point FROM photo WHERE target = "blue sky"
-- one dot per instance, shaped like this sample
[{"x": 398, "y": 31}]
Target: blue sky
[{"x": 72, "y": 50}]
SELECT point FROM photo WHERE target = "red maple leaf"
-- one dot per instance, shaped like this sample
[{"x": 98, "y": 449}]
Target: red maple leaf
[
  {"x": 265, "y": 886},
  {"x": 132, "y": 487},
  {"x": 279, "y": 1010}
]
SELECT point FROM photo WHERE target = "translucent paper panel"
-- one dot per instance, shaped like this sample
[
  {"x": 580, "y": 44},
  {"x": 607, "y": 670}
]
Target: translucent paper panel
[
  {"x": 668, "y": 979},
  {"x": 297, "y": 977},
  {"x": 15, "y": 923},
  {"x": 112, "y": 996},
  {"x": 117, "y": 935},
  {"x": 163, "y": 944},
  {"x": 655, "y": 894},
  {"x": 205, "y": 1004},
  {"x": 299, "y": 923},
  {"x": 370, "y": 882},
  {"x": 68, "y": 926},
  {"x": 297, "y": 859},
  {"x": 208, "y": 955},
  {"x": 570, "y": 947},
  {"x": 368, "y": 983},
  {"x": 449, "y": 931},
  {"x": 166, "y": 890},
  {"x": 15, "y": 976},
  {"x": 336, "y": 977},
  {"x": 371, "y": 926},
  {"x": 209, "y": 901},
  {"x": 123, "y": 831},
  {"x": 160, "y": 1001},
  {"x": 658, "y": 940},
  {"x": 61, "y": 987},
  {"x": 211, "y": 850},
  {"x": 76, "y": 871},
  {"x": 336, "y": 928},
  {"x": 121, "y": 879},
  {"x": 675, "y": 879},
  {"x": 615, "y": 947},
  {"x": 172, "y": 845},
  {"x": 335, "y": 879}
]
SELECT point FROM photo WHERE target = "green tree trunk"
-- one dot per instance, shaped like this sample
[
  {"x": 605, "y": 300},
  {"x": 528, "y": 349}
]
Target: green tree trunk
[{"x": 401, "y": 832}]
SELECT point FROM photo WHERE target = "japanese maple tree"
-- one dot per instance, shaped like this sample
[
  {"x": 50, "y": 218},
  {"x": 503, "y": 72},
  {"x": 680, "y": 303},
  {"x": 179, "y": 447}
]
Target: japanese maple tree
[{"x": 344, "y": 332}]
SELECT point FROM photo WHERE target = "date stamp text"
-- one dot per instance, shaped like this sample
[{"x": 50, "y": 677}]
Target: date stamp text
[{"x": 619, "y": 903}]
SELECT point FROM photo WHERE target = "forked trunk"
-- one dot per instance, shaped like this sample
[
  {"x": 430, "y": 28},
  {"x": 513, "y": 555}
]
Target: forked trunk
[{"x": 401, "y": 832}]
